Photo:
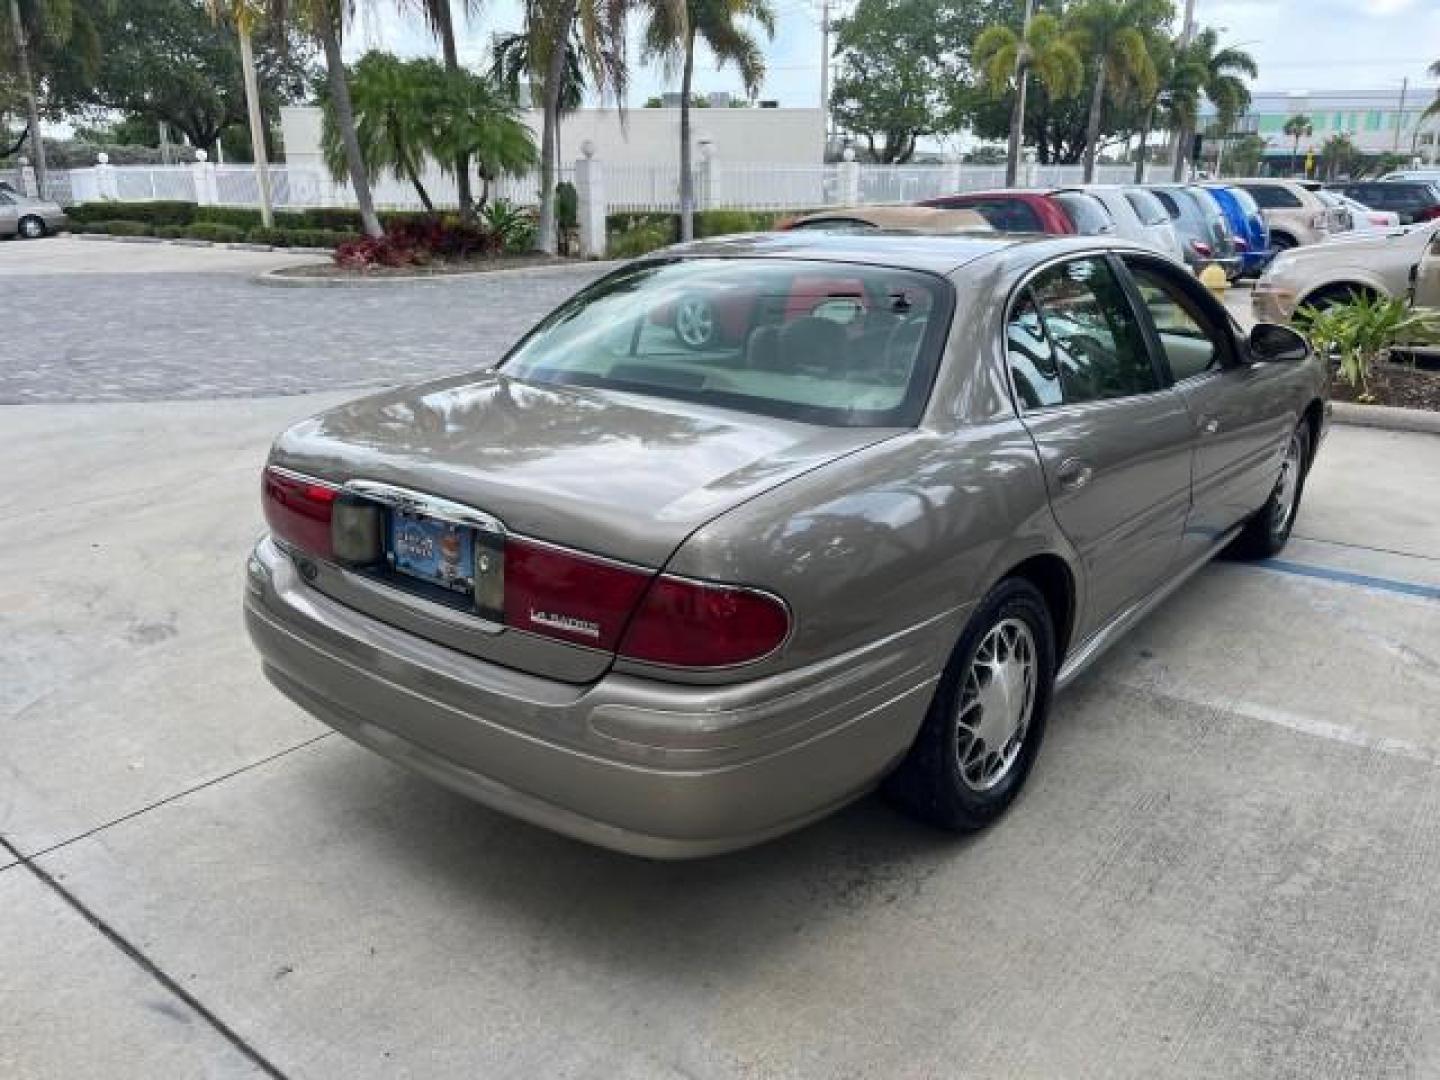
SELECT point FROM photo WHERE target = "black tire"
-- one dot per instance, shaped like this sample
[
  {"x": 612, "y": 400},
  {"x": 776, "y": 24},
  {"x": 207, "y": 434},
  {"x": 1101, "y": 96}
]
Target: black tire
[
  {"x": 1282, "y": 241},
  {"x": 929, "y": 783},
  {"x": 30, "y": 227},
  {"x": 1268, "y": 530},
  {"x": 1335, "y": 295}
]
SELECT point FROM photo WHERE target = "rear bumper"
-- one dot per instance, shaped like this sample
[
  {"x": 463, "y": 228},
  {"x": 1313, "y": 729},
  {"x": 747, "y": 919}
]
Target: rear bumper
[{"x": 663, "y": 770}]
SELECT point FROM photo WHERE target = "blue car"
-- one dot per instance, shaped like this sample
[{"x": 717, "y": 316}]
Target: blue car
[{"x": 1246, "y": 221}]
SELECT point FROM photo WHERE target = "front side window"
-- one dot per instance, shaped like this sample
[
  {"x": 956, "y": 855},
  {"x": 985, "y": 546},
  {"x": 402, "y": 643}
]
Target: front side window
[
  {"x": 828, "y": 343},
  {"x": 1187, "y": 335},
  {"x": 1099, "y": 351}
]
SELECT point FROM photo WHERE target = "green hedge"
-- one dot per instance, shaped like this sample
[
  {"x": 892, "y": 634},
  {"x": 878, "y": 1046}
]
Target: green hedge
[
  {"x": 150, "y": 213},
  {"x": 633, "y": 234},
  {"x": 217, "y": 231},
  {"x": 318, "y": 238}
]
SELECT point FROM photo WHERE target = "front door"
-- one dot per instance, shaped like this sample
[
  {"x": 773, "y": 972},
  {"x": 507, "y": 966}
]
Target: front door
[
  {"x": 1242, "y": 417},
  {"x": 1113, "y": 439}
]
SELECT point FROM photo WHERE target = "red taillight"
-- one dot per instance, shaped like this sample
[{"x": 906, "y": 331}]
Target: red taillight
[
  {"x": 684, "y": 623},
  {"x": 299, "y": 510},
  {"x": 1201, "y": 248},
  {"x": 569, "y": 596}
]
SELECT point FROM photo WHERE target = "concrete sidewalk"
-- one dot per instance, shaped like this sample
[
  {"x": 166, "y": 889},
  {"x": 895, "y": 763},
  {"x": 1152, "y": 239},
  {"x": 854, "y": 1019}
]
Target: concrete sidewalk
[{"x": 1227, "y": 864}]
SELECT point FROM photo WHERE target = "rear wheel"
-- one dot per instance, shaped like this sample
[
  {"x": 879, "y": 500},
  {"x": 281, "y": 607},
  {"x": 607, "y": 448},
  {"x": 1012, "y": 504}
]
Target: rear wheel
[
  {"x": 1282, "y": 241},
  {"x": 31, "y": 227},
  {"x": 1267, "y": 532},
  {"x": 987, "y": 719}
]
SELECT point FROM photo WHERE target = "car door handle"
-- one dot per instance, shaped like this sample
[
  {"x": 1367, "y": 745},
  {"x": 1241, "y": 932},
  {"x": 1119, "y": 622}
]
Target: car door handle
[{"x": 1074, "y": 473}]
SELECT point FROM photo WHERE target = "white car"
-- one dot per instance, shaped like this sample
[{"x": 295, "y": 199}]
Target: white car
[
  {"x": 1136, "y": 213},
  {"x": 1365, "y": 217}
]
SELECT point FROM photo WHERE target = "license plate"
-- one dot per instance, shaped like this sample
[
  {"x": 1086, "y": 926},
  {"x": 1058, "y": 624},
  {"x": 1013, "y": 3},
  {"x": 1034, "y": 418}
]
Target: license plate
[{"x": 436, "y": 552}]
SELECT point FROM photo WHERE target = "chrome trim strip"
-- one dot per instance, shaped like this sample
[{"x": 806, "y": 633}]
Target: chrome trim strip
[
  {"x": 302, "y": 478},
  {"x": 1095, "y": 645},
  {"x": 417, "y": 502}
]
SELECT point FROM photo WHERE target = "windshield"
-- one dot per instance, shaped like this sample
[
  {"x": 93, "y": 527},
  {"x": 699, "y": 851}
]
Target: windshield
[{"x": 826, "y": 343}]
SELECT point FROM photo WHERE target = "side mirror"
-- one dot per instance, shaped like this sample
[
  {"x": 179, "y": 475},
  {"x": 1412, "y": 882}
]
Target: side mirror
[{"x": 1273, "y": 343}]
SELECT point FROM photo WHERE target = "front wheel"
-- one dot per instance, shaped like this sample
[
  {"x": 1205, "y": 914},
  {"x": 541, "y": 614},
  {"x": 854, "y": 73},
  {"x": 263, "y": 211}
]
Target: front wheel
[
  {"x": 31, "y": 227},
  {"x": 1268, "y": 530},
  {"x": 987, "y": 719}
]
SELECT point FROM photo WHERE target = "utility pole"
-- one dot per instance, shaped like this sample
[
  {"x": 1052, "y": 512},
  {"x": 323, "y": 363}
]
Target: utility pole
[
  {"x": 825, "y": 74},
  {"x": 1400, "y": 116}
]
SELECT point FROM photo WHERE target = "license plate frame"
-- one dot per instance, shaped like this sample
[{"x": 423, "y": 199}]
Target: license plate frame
[{"x": 434, "y": 552}]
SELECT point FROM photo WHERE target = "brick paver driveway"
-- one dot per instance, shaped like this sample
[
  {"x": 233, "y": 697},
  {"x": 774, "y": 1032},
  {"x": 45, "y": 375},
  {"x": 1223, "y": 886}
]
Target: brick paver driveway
[{"x": 137, "y": 327}]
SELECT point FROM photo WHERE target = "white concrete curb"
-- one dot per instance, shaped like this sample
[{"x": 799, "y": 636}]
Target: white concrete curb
[
  {"x": 1386, "y": 417},
  {"x": 278, "y": 279}
]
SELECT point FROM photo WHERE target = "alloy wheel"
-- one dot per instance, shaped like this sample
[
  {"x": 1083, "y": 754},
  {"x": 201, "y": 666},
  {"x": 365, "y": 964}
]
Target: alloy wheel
[{"x": 997, "y": 699}]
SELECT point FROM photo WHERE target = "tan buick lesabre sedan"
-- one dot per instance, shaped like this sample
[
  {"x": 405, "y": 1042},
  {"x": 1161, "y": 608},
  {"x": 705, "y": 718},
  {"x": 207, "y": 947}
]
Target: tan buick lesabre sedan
[{"x": 675, "y": 592}]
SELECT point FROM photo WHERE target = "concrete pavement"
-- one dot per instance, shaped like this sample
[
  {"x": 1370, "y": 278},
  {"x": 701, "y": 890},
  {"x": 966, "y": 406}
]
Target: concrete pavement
[{"x": 1227, "y": 864}]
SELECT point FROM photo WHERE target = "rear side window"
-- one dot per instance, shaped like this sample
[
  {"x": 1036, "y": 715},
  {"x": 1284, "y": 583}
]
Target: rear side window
[
  {"x": 1168, "y": 201},
  {"x": 825, "y": 343},
  {"x": 1099, "y": 351},
  {"x": 1149, "y": 209},
  {"x": 1411, "y": 197},
  {"x": 1007, "y": 215},
  {"x": 834, "y": 225},
  {"x": 1086, "y": 213},
  {"x": 1273, "y": 197}
]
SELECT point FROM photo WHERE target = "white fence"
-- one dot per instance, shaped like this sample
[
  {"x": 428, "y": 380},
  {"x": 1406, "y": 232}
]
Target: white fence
[{"x": 733, "y": 185}]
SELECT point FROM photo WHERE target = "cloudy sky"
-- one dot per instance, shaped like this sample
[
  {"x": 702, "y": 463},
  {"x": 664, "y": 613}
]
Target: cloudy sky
[{"x": 1316, "y": 45}]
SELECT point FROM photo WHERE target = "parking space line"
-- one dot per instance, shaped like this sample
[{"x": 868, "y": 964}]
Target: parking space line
[
  {"x": 1364, "y": 547},
  {"x": 1347, "y": 577}
]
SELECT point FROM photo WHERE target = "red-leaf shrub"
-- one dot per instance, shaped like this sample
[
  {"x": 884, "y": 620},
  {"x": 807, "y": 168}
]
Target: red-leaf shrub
[{"x": 416, "y": 241}]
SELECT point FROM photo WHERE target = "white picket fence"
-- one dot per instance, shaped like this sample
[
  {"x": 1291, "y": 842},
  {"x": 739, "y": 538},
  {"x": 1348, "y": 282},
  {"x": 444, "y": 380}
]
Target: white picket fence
[{"x": 627, "y": 186}]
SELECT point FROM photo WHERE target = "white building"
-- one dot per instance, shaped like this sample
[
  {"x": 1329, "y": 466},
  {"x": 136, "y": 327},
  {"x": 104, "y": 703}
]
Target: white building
[
  {"x": 642, "y": 137},
  {"x": 1376, "y": 121}
]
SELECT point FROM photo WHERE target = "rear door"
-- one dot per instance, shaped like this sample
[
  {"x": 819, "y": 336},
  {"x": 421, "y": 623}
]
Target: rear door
[
  {"x": 1241, "y": 423},
  {"x": 1114, "y": 440}
]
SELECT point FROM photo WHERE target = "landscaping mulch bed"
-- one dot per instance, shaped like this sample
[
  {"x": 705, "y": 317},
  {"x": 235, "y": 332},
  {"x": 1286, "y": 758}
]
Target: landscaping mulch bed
[
  {"x": 1395, "y": 384},
  {"x": 438, "y": 268}
]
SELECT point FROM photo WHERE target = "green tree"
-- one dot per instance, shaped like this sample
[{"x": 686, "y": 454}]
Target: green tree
[
  {"x": 1006, "y": 59},
  {"x": 167, "y": 60},
  {"x": 1115, "y": 35},
  {"x": 1297, "y": 128},
  {"x": 439, "y": 18},
  {"x": 410, "y": 111},
  {"x": 48, "y": 25},
  {"x": 670, "y": 34},
  {"x": 1218, "y": 72},
  {"x": 600, "y": 27},
  {"x": 1244, "y": 155},
  {"x": 1340, "y": 158},
  {"x": 890, "y": 80},
  {"x": 325, "y": 20}
]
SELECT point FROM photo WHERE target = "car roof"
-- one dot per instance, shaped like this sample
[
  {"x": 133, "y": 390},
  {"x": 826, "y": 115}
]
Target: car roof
[
  {"x": 892, "y": 216},
  {"x": 936, "y": 253}
]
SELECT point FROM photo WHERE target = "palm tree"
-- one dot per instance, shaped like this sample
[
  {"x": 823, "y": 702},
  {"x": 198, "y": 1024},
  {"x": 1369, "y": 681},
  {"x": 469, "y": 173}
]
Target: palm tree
[
  {"x": 396, "y": 104},
  {"x": 1168, "y": 77},
  {"x": 1218, "y": 73},
  {"x": 511, "y": 65},
  {"x": 1113, "y": 33},
  {"x": 479, "y": 121},
  {"x": 1297, "y": 127},
  {"x": 670, "y": 34},
  {"x": 1006, "y": 59},
  {"x": 244, "y": 15},
  {"x": 325, "y": 19},
  {"x": 438, "y": 18},
  {"x": 58, "y": 22},
  {"x": 600, "y": 28}
]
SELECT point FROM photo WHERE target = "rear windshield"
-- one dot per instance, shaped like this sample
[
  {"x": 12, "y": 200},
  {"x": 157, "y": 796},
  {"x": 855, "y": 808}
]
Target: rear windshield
[
  {"x": 1149, "y": 209},
  {"x": 821, "y": 342},
  {"x": 1006, "y": 215},
  {"x": 1087, "y": 213}
]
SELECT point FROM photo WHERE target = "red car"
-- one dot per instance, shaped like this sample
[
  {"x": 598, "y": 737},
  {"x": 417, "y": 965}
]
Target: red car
[{"x": 1058, "y": 213}]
